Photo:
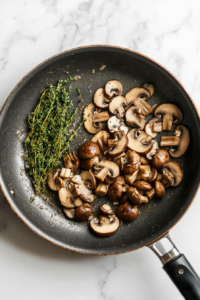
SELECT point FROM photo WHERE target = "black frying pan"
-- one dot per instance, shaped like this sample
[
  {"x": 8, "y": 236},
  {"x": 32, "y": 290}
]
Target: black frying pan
[{"x": 44, "y": 216}]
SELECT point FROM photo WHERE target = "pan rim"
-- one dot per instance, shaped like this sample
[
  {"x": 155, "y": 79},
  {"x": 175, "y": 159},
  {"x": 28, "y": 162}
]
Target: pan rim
[{"x": 25, "y": 220}]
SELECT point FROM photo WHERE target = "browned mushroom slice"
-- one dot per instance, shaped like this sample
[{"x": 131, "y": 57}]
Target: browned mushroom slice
[
  {"x": 69, "y": 213},
  {"x": 160, "y": 158},
  {"x": 65, "y": 173},
  {"x": 97, "y": 136},
  {"x": 149, "y": 127},
  {"x": 157, "y": 127},
  {"x": 153, "y": 175},
  {"x": 113, "y": 88},
  {"x": 127, "y": 212},
  {"x": 142, "y": 185},
  {"x": 106, "y": 209},
  {"x": 122, "y": 141},
  {"x": 84, "y": 193},
  {"x": 166, "y": 181},
  {"x": 115, "y": 192},
  {"x": 78, "y": 202},
  {"x": 76, "y": 179},
  {"x": 173, "y": 170},
  {"x": 90, "y": 125},
  {"x": 88, "y": 150},
  {"x": 71, "y": 161},
  {"x": 52, "y": 180},
  {"x": 66, "y": 197},
  {"x": 103, "y": 144},
  {"x": 145, "y": 172},
  {"x": 131, "y": 178},
  {"x": 104, "y": 226},
  {"x": 134, "y": 118},
  {"x": 153, "y": 150},
  {"x": 181, "y": 139},
  {"x": 150, "y": 194},
  {"x": 106, "y": 168},
  {"x": 101, "y": 189},
  {"x": 88, "y": 179},
  {"x": 100, "y": 99},
  {"x": 137, "y": 97},
  {"x": 149, "y": 87},
  {"x": 83, "y": 212},
  {"x": 131, "y": 162},
  {"x": 144, "y": 160},
  {"x": 170, "y": 114},
  {"x": 135, "y": 197},
  {"x": 139, "y": 141},
  {"x": 87, "y": 164},
  {"x": 100, "y": 117},
  {"x": 120, "y": 180},
  {"x": 117, "y": 106},
  {"x": 114, "y": 123},
  {"x": 159, "y": 189}
]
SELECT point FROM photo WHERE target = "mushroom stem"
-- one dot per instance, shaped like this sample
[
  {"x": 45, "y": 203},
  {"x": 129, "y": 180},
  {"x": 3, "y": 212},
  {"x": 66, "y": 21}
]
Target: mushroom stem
[
  {"x": 120, "y": 111},
  {"x": 102, "y": 174},
  {"x": 144, "y": 199},
  {"x": 167, "y": 122},
  {"x": 112, "y": 143},
  {"x": 157, "y": 127},
  {"x": 100, "y": 117},
  {"x": 169, "y": 141}
]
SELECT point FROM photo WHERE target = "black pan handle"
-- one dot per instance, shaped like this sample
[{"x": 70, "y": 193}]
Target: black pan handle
[{"x": 178, "y": 269}]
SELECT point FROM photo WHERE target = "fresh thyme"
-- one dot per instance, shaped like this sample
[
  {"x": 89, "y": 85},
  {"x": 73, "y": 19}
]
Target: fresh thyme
[{"x": 47, "y": 140}]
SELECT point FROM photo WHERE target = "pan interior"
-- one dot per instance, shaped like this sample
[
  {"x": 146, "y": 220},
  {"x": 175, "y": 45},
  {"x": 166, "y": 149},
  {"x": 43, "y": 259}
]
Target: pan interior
[{"x": 44, "y": 215}]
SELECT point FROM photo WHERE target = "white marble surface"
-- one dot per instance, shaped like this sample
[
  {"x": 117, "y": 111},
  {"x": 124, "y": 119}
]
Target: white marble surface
[{"x": 30, "y": 32}]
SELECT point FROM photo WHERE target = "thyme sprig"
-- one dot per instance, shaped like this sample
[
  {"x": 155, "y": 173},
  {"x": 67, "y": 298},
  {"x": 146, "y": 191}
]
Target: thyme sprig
[{"x": 48, "y": 139}]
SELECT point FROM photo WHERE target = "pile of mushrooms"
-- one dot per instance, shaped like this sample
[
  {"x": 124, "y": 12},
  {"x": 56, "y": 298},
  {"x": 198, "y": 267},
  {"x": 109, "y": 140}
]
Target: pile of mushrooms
[{"x": 124, "y": 162}]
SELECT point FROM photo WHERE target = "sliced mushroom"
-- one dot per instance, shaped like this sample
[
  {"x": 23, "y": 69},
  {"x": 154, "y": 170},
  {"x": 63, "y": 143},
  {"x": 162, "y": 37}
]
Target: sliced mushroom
[
  {"x": 100, "y": 117},
  {"x": 123, "y": 128},
  {"x": 131, "y": 162},
  {"x": 69, "y": 213},
  {"x": 131, "y": 178},
  {"x": 173, "y": 170},
  {"x": 90, "y": 125},
  {"x": 160, "y": 158},
  {"x": 83, "y": 212},
  {"x": 134, "y": 118},
  {"x": 52, "y": 181},
  {"x": 135, "y": 197},
  {"x": 153, "y": 175},
  {"x": 88, "y": 150},
  {"x": 66, "y": 197},
  {"x": 144, "y": 172},
  {"x": 150, "y": 194},
  {"x": 71, "y": 161},
  {"x": 76, "y": 179},
  {"x": 139, "y": 141},
  {"x": 121, "y": 144},
  {"x": 117, "y": 158},
  {"x": 153, "y": 150},
  {"x": 65, "y": 173},
  {"x": 170, "y": 114},
  {"x": 101, "y": 189},
  {"x": 103, "y": 144},
  {"x": 127, "y": 212},
  {"x": 87, "y": 164},
  {"x": 166, "y": 180},
  {"x": 100, "y": 99},
  {"x": 106, "y": 168},
  {"x": 115, "y": 192},
  {"x": 113, "y": 88},
  {"x": 84, "y": 193},
  {"x": 149, "y": 87},
  {"x": 149, "y": 127},
  {"x": 120, "y": 180},
  {"x": 88, "y": 179},
  {"x": 78, "y": 202},
  {"x": 144, "y": 160},
  {"x": 159, "y": 189},
  {"x": 97, "y": 136},
  {"x": 157, "y": 127},
  {"x": 117, "y": 106},
  {"x": 114, "y": 123},
  {"x": 142, "y": 185},
  {"x": 137, "y": 97},
  {"x": 181, "y": 140},
  {"x": 104, "y": 226},
  {"x": 106, "y": 209}
]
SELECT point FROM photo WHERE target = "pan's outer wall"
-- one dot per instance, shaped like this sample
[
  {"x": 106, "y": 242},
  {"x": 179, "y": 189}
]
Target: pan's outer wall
[{"x": 132, "y": 69}]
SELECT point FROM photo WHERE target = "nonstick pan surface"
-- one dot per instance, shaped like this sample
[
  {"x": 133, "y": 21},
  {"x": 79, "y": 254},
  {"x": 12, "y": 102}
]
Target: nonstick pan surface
[{"x": 44, "y": 216}]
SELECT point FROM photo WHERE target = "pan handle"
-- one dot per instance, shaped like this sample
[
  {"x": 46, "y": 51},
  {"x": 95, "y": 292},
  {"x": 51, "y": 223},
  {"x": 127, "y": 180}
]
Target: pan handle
[{"x": 178, "y": 269}]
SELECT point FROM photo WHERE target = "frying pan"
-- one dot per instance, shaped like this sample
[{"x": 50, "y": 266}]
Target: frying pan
[{"x": 44, "y": 216}]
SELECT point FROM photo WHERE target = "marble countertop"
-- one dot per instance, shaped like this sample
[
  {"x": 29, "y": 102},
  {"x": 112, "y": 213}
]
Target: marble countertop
[{"x": 31, "y": 31}]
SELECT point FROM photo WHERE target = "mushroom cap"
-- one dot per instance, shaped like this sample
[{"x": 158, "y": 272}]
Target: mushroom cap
[
  {"x": 182, "y": 132},
  {"x": 131, "y": 162},
  {"x": 112, "y": 166},
  {"x": 159, "y": 189},
  {"x": 169, "y": 109},
  {"x": 149, "y": 87},
  {"x": 114, "y": 123},
  {"x": 87, "y": 164},
  {"x": 66, "y": 197},
  {"x": 117, "y": 106},
  {"x": 137, "y": 93},
  {"x": 131, "y": 178},
  {"x": 106, "y": 209},
  {"x": 137, "y": 141},
  {"x": 113, "y": 88},
  {"x": 97, "y": 136},
  {"x": 173, "y": 169},
  {"x": 148, "y": 127},
  {"x": 142, "y": 185},
  {"x": 121, "y": 145},
  {"x": 127, "y": 212},
  {"x": 134, "y": 118},
  {"x": 115, "y": 192},
  {"x": 160, "y": 158},
  {"x": 83, "y": 212},
  {"x": 100, "y": 99},
  {"x": 88, "y": 179},
  {"x": 134, "y": 196},
  {"x": 90, "y": 126},
  {"x": 69, "y": 213},
  {"x": 153, "y": 150},
  {"x": 53, "y": 184},
  {"x": 105, "y": 225},
  {"x": 71, "y": 161},
  {"x": 88, "y": 150}
]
